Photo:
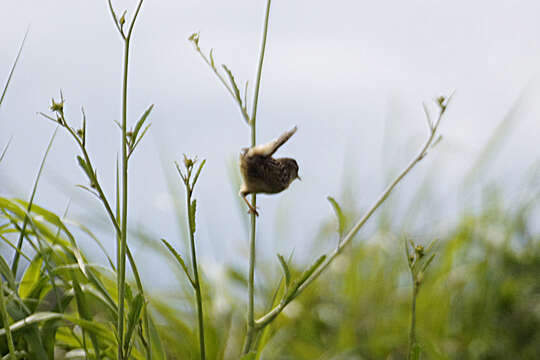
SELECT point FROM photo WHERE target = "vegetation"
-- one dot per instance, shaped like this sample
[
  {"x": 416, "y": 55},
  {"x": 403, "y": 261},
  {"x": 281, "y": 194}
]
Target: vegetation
[{"x": 472, "y": 294}]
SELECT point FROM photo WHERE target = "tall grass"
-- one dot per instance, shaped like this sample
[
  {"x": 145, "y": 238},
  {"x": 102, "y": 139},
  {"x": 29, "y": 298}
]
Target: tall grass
[{"x": 479, "y": 300}]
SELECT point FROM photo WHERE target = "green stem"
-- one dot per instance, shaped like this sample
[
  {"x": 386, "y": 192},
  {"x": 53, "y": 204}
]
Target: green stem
[
  {"x": 197, "y": 283},
  {"x": 125, "y": 158},
  {"x": 412, "y": 337},
  {"x": 6, "y": 322},
  {"x": 259, "y": 71},
  {"x": 123, "y": 233},
  {"x": 124, "y": 250},
  {"x": 251, "y": 329}
]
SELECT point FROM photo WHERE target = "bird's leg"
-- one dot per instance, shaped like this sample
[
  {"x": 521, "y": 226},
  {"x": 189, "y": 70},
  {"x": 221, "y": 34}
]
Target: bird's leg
[{"x": 252, "y": 210}]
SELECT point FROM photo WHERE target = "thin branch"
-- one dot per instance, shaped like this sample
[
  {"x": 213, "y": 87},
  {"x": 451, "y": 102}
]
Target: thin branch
[
  {"x": 212, "y": 66},
  {"x": 251, "y": 323},
  {"x": 116, "y": 23},
  {"x": 134, "y": 19}
]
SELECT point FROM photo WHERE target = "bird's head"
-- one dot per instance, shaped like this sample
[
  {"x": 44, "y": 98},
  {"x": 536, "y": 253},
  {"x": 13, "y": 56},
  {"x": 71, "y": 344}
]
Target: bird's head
[{"x": 291, "y": 169}]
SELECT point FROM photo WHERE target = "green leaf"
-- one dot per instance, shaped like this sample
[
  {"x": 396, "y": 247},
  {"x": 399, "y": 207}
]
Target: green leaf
[
  {"x": 233, "y": 83},
  {"x": 32, "y": 319},
  {"x": 141, "y": 122},
  {"x": 157, "y": 346},
  {"x": 88, "y": 232},
  {"x": 198, "y": 172},
  {"x": 408, "y": 252},
  {"x": 428, "y": 262},
  {"x": 31, "y": 277},
  {"x": 18, "y": 355},
  {"x": 339, "y": 214},
  {"x": 6, "y": 272},
  {"x": 192, "y": 211},
  {"x": 250, "y": 356},
  {"x": 134, "y": 316},
  {"x": 305, "y": 275},
  {"x": 212, "y": 63},
  {"x": 179, "y": 260},
  {"x": 6, "y": 85},
  {"x": 285, "y": 268},
  {"x": 86, "y": 167},
  {"x": 84, "y": 310},
  {"x": 5, "y": 149},
  {"x": 15, "y": 263},
  {"x": 140, "y": 138}
]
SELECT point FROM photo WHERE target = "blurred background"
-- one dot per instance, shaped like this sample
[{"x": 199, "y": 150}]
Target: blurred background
[{"x": 352, "y": 76}]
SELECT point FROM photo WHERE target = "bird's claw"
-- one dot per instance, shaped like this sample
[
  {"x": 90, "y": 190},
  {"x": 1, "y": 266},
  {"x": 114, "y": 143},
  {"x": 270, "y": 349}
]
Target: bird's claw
[{"x": 253, "y": 210}]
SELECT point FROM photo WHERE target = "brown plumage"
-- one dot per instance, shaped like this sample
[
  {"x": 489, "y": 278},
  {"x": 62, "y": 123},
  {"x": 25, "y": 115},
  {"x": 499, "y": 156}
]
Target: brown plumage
[{"x": 261, "y": 173}]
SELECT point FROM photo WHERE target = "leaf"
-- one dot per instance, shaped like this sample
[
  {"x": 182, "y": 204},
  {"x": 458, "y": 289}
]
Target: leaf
[
  {"x": 236, "y": 276},
  {"x": 140, "y": 138},
  {"x": 83, "y": 127},
  {"x": 82, "y": 306},
  {"x": 233, "y": 83},
  {"x": 157, "y": 346},
  {"x": 141, "y": 121},
  {"x": 134, "y": 316},
  {"x": 15, "y": 264},
  {"x": 250, "y": 356},
  {"x": 180, "y": 260},
  {"x": 192, "y": 211},
  {"x": 339, "y": 214},
  {"x": 428, "y": 262},
  {"x": 306, "y": 274},
  {"x": 198, "y": 172},
  {"x": 88, "y": 232},
  {"x": 84, "y": 310},
  {"x": 6, "y": 272},
  {"x": 5, "y": 149},
  {"x": 6, "y": 85},
  {"x": 32, "y": 319},
  {"x": 31, "y": 277},
  {"x": 437, "y": 141},
  {"x": 212, "y": 59},
  {"x": 285, "y": 268},
  {"x": 86, "y": 167},
  {"x": 408, "y": 253}
]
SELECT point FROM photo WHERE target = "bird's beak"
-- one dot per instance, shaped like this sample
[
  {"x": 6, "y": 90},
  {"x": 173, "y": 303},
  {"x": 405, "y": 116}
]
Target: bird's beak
[{"x": 298, "y": 177}]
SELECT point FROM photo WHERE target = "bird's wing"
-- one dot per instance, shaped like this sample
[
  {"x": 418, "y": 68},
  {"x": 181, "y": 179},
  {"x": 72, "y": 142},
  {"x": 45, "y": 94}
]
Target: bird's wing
[{"x": 270, "y": 148}]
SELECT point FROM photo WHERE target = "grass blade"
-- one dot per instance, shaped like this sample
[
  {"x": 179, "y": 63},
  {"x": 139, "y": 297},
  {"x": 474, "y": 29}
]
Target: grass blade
[{"x": 6, "y": 85}]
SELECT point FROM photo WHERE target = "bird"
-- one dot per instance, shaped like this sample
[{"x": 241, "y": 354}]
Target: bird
[{"x": 262, "y": 174}]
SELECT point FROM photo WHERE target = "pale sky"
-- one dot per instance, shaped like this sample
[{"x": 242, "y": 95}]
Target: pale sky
[{"x": 350, "y": 74}]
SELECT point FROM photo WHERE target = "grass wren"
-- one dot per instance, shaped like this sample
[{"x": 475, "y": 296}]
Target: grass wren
[{"x": 262, "y": 174}]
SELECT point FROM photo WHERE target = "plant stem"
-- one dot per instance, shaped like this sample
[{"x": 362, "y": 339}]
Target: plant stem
[
  {"x": 196, "y": 282},
  {"x": 412, "y": 337},
  {"x": 11, "y": 346},
  {"x": 123, "y": 233},
  {"x": 259, "y": 71},
  {"x": 123, "y": 237},
  {"x": 251, "y": 329}
]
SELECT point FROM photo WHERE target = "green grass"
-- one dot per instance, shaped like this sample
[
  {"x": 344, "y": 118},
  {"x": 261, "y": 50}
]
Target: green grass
[{"x": 368, "y": 299}]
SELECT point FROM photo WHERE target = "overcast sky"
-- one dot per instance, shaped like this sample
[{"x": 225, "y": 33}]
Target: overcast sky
[{"x": 351, "y": 74}]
